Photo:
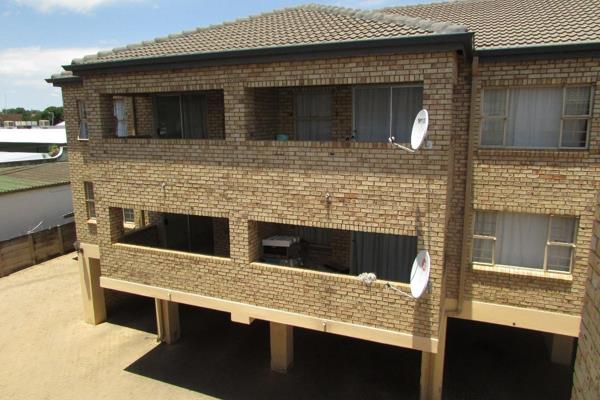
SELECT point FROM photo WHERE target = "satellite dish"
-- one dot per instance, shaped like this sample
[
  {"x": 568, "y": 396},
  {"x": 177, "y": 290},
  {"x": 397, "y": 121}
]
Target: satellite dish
[
  {"x": 419, "y": 130},
  {"x": 419, "y": 275},
  {"x": 418, "y": 134}
]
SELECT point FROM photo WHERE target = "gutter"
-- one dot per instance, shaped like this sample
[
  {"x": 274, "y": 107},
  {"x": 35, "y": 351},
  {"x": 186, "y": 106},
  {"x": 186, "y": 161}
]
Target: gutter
[
  {"x": 552, "y": 51},
  {"x": 451, "y": 41}
]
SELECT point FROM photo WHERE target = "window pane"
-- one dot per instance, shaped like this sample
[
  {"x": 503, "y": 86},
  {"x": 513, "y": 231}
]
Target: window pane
[
  {"x": 521, "y": 239},
  {"x": 574, "y": 132},
  {"x": 313, "y": 115},
  {"x": 89, "y": 191},
  {"x": 485, "y": 223},
  {"x": 559, "y": 258},
  {"x": 83, "y": 130},
  {"x": 168, "y": 116},
  {"x": 91, "y": 207},
  {"x": 120, "y": 113},
  {"x": 494, "y": 102},
  {"x": 372, "y": 114},
  {"x": 128, "y": 215},
  {"x": 406, "y": 104},
  {"x": 534, "y": 117},
  {"x": 194, "y": 109},
  {"x": 562, "y": 229},
  {"x": 577, "y": 100},
  {"x": 492, "y": 132},
  {"x": 483, "y": 250}
]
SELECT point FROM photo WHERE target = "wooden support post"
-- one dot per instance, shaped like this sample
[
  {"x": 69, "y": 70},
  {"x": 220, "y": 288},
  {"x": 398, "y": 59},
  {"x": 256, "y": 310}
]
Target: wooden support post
[
  {"x": 282, "y": 347},
  {"x": 94, "y": 305},
  {"x": 432, "y": 367},
  {"x": 61, "y": 240},
  {"x": 561, "y": 349},
  {"x": 167, "y": 321},
  {"x": 32, "y": 248}
]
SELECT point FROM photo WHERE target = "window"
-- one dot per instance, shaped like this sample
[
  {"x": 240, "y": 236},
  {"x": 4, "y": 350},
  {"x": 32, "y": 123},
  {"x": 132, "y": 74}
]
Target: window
[
  {"x": 313, "y": 115},
  {"x": 182, "y": 116},
  {"x": 89, "y": 200},
  {"x": 524, "y": 240},
  {"x": 128, "y": 216},
  {"x": 548, "y": 117},
  {"x": 120, "y": 113},
  {"x": 384, "y": 111},
  {"x": 83, "y": 123}
]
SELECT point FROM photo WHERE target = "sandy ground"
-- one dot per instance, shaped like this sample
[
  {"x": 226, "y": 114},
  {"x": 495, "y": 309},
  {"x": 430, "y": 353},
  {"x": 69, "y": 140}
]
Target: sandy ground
[{"x": 48, "y": 352}]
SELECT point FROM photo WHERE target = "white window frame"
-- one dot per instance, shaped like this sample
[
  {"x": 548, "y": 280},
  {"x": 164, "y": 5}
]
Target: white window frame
[
  {"x": 90, "y": 200},
  {"x": 509, "y": 89},
  {"x": 128, "y": 221},
  {"x": 572, "y": 245},
  {"x": 390, "y": 116},
  {"x": 83, "y": 120}
]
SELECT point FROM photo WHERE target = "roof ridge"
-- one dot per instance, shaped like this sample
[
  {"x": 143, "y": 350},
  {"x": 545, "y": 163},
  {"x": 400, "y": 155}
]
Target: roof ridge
[
  {"x": 92, "y": 57},
  {"x": 427, "y": 24}
]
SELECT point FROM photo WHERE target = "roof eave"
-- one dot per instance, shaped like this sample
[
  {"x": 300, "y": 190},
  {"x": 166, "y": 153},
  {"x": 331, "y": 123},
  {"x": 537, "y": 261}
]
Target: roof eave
[
  {"x": 559, "y": 50},
  {"x": 59, "y": 81},
  {"x": 458, "y": 41}
]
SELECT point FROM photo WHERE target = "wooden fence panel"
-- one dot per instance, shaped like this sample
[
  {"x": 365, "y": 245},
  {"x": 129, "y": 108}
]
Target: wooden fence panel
[{"x": 24, "y": 251}]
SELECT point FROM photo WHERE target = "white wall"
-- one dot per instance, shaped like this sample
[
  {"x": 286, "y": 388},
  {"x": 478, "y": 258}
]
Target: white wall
[{"x": 23, "y": 211}]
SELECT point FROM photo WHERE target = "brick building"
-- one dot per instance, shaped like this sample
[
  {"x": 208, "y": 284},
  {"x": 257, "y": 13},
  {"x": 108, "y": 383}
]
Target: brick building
[{"x": 188, "y": 151}]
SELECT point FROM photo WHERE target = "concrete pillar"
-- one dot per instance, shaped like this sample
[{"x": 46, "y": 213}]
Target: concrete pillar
[
  {"x": 561, "y": 349},
  {"x": 282, "y": 347},
  {"x": 432, "y": 367},
  {"x": 167, "y": 321},
  {"x": 94, "y": 306}
]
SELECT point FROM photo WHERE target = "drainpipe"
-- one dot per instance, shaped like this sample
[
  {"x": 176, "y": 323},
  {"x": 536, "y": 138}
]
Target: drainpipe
[{"x": 468, "y": 208}]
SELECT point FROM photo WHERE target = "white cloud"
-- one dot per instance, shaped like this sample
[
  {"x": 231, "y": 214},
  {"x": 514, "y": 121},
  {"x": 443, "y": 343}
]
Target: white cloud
[
  {"x": 23, "y": 70},
  {"x": 81, "y": 6}
]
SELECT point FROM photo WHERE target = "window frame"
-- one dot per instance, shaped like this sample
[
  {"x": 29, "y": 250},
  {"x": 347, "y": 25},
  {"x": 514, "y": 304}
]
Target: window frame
[
  {"x": 179, "y": 96},
  {"x": 82, "y": 120},
  {"x": 127, "y": 221},
  {"x": 549, "y": 243},
  {"x": 563, "y": 117},
  {"x": 90, "y": 200},
  {"x": 389, "y": 111}
]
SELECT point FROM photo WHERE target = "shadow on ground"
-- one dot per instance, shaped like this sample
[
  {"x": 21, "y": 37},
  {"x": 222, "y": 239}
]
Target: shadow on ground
[{"x": 227, "y": 360}]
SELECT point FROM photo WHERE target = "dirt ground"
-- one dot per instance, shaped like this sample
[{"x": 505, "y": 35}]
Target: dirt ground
[{"x": 48, "y": 352}]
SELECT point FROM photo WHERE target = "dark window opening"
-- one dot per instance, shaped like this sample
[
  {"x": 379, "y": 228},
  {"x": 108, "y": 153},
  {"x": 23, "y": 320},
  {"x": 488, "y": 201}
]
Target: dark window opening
[
  {"x": 389, "y": 256},
  {"x": 181, "y": 232},
  {"x": 182, "y": 116}
]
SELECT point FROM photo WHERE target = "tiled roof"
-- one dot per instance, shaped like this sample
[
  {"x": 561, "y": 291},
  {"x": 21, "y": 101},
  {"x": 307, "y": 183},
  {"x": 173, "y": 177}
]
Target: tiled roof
[
  {"x": 309, "y": 24},
  {"x": 25, "y": 177},
  {"x": 512, "y": 23}
]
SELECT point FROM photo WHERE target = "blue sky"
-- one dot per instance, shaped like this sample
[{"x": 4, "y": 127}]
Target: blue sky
[{"x": 37, "y": 36}]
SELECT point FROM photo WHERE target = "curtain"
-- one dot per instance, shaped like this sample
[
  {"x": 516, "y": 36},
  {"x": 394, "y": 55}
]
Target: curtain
[
  {"x": 121, "y": 115},
  {"x": 372, "y": 114},
  {"x": 521, "y": 239},
  {"x": 534, "y": 117},
  {"x": 390, "y": 257},
  {"x": 194, "y": 111},
  {"x": 168, "y": 115},
  {"x": 313, "y": 115},
  {"x": 314, "y": 235},
  {"x": 406, "y": 104}
]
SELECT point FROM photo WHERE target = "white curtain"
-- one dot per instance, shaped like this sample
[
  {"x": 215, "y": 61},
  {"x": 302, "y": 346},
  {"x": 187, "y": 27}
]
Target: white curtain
[
  {"x": 406, "y": 104},
  {"x": 534, "y": 117},
  {"x": 121, "y": 115},
  {"x": 521, "y": 239},
  {"x": 390, "y": 257},
  {"x": 313, "y": 115}
]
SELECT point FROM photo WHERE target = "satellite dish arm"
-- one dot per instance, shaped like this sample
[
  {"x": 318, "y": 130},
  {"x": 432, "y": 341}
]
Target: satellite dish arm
[{"x": 392, "y": 141}]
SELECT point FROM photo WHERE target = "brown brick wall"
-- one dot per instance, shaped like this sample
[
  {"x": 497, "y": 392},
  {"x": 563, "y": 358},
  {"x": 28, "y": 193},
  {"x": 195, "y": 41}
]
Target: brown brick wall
[
  {"x": 374, "y": 187},
  {"x": 537, "y": 181},
  {"x": 586, "y": 381}
]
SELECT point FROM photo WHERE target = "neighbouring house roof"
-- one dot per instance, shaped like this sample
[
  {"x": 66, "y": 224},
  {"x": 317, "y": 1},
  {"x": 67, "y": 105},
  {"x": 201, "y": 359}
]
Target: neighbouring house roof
[
  {"x": 25, "y": 177},
  {"x": 515, "y": 23},
  {"x": 302, "y": 25}
]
